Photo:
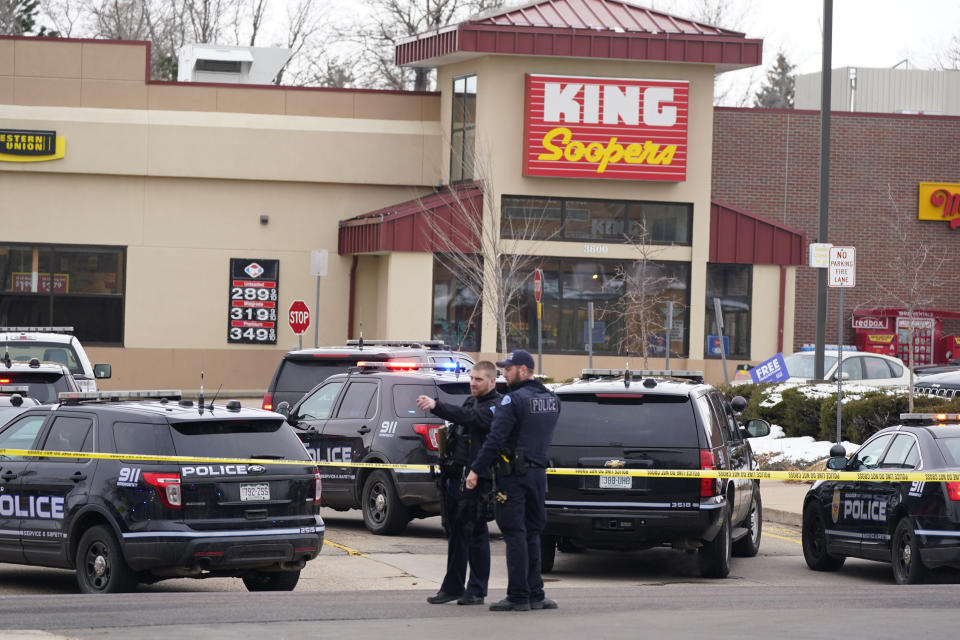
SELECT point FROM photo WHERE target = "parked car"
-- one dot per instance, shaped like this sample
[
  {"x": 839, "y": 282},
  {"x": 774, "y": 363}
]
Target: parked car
[
  {"x": 56, "y": 345},
  {"x": 14, "y": 400},
  {"x": 945, "y": 367},
  {"x": 43, "y": 380},
  {"x": 943, "y": 385},
  {"x": 118, "y": 522},
  {"x": 616, "y": 419},
  {"x": 858, "y": 366},
  {"x": 300, "y": 371},
  {"x": 915, "y": 526},
  {"x": 370, "y": 414}
]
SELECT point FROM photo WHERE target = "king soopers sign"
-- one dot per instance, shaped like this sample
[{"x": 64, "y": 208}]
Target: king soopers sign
[{"x": 613, "y": 128}]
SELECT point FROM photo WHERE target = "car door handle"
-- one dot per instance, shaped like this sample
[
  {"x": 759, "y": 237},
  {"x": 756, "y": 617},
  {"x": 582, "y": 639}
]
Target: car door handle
[
  {"x": 363, "y": 430},
  {"x": 9, "y": 474},
  {"x": 78, "y": 476}
]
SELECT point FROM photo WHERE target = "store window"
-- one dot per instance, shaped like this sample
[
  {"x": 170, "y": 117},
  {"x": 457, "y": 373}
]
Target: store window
[
  {"x": 64, "y": 285},
  {"x": 732, "y": 285},
  {"x": 609, "y": 221},
  {"x": 463, "y": 130},
  {"x": 456, "y": 309},
  {"x": 570, "y": 284}
]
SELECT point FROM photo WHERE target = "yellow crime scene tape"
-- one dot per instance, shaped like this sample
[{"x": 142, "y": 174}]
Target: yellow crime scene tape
[{"x": 757, "y": 474}]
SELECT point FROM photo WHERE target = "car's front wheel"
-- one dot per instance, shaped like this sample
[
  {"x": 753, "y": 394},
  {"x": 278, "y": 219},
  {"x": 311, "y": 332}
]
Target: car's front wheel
[
  {"x": 271, "y": 581},
  {"x": 100, "y": 565},
  {"x": 548, "y": 553},
  {"x": 749, "y": 545},
  {"x": 905, "y": 554},
  {"x": 814, "y": 536},
  {"x": 383, "y": 513},
  {"x": 714, "y": 557}
]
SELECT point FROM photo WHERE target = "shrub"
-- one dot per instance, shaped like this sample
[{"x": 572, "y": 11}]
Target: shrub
[{"x": 861, "y": 418}]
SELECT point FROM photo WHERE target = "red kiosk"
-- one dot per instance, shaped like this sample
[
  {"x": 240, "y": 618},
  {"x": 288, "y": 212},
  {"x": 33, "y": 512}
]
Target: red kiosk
[{"x": 887, "y": 331}]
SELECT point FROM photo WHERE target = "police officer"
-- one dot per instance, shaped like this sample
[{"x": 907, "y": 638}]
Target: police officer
[
  {"x": 468, "y": 538},
  {"x": 519, "y": 437}
]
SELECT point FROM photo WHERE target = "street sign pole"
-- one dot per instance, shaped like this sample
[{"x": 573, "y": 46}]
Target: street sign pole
[
  {"x": 669, "y": 329},
  {"x": 841, "y": 273},
  {"x": 318, "y": 267},
  {"x": 723, "y": 352},
  {"x": 538, "y": 295},
  {"x": 590, "y": 331},
  {"x": 839, "y": 362}
]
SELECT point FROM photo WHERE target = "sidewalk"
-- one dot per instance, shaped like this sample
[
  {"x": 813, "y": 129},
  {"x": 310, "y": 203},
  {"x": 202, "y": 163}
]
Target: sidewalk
[{"x": 783, "y": 501}]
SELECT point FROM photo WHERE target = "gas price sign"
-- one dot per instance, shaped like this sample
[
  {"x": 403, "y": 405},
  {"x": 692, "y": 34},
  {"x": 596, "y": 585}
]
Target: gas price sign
[{"x": 253, "y": 301}]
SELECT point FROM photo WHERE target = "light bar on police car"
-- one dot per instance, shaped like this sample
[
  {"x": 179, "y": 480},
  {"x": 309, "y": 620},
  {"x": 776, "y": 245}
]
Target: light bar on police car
[
  {"x": 929, "y": 417},
  {"x": 36, "y": 329},
  {"x": 663, "y": 373},
  {"x": 14, "y": 388},
  {"x": 115, "y": 396}
]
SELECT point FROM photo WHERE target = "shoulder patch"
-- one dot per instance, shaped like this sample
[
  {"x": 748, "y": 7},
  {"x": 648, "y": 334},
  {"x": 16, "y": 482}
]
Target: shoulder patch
[
  {"x": 506, "y": 400},
  {"x": 493, "y": 408}
]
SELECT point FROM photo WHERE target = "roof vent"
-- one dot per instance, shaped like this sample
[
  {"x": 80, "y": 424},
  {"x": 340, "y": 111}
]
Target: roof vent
[
  {"x": 649, "y": 383},
  {"x": 233, "y": 405},
  {"x": 230, "y": 65},
  {"x": 186, "y": 403}
]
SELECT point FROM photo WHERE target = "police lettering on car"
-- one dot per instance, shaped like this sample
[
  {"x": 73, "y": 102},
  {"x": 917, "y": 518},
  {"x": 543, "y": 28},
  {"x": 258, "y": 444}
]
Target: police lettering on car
[{"x": 913, "y": 525}]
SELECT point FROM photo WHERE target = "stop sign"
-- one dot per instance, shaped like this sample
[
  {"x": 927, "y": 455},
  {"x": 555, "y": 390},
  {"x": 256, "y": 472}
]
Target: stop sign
[
  {"x": 299, "y": 317},
  {"x": 538, "y": 284}
]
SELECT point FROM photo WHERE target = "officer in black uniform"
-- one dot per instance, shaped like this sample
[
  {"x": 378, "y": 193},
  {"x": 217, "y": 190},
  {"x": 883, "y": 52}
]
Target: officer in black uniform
[
  {"x": 519, "y": 437},
  {"x": 468, "y": 538}
]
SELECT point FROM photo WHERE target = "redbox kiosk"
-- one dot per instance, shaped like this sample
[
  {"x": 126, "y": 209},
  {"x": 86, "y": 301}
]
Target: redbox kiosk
[{"x": 887, "y": 331}]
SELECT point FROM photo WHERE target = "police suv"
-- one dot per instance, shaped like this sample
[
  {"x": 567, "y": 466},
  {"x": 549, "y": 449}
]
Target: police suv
[
  {"x": 43, "y": 380},
  {"x": 121, "y": 520},
  {"x": 623, "y": 419},
  {"x": 53, "y": 344},
  {"x": 915, "y": 526},
  {"x": 370, "y": 415}
]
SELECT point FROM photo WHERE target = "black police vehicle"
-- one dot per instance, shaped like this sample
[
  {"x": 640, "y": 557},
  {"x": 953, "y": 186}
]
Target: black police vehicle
[
  {"x": 617, "y": 419},
  {"x": 118, "y": 522},
  {"x": 302, "y": 370},
  {"x": 370, "y": 415},
  {"x": 915, "y": 526}
]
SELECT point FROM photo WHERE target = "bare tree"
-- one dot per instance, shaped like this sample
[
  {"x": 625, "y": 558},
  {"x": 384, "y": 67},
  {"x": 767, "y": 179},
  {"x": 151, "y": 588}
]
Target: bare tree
[
  {"x": 914, "y": 280},
  {"x": 391, "y": 21},
  {"x": 303, "y": 25},
  {"x": 646, "y": 290},
  {"x": 950, "y": 59},
  {"x": 64, "y": 15},
  {"x": 491, "y": 257},
  {"x": 730, "y": 15}
]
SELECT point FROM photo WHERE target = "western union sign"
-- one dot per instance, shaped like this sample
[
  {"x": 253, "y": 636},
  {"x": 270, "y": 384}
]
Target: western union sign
[{"x": 30, "y": 146}]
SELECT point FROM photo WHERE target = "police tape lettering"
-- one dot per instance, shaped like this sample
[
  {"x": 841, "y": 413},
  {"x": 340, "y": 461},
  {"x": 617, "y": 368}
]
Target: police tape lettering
[{"x": 231, "y": 466}]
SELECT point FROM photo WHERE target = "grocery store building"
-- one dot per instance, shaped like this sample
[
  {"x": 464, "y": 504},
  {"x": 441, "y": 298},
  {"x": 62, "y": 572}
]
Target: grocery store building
[{"x": 149, "y": 214}]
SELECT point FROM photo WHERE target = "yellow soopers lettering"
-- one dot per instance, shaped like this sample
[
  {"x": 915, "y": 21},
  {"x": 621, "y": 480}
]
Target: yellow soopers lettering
[{"x": 574, "y": 151}]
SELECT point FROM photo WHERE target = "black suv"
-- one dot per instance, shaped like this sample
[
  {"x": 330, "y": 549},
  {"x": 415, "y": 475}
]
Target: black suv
[
  {"x": 300, "y": 371},
  {"x": 944, "y": 385},
  {"x": 118, "y": 522},
  {"x": 652, "y": 420},
  {"x": 370, "y": 415}
]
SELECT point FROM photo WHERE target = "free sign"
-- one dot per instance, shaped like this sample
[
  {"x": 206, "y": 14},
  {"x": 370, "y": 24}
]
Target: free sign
[
  {"x": 842, "y": 271},
  {"x": 299, "y": 317}
]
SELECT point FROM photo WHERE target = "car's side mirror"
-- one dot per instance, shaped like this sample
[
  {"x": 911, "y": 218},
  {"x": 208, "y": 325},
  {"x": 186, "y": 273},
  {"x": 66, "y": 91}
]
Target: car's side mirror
[
  {"x": 757, "y": 428},
  {"x": 739, "y": 403},
  {"x": 284, "y": 409},
  {"x": 102, "y": 371},
  {"x": 838, "y": 463}
]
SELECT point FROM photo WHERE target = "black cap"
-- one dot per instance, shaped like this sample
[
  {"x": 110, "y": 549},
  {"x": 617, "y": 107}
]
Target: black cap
[{"x": 517, "y": 358}]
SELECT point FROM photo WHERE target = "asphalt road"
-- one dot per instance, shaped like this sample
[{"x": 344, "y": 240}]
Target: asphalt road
[{"x": 366, "y": 586}]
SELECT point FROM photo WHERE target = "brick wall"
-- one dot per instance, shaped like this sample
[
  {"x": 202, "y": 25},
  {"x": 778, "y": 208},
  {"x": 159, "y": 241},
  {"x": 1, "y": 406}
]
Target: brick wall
[{"x": 766, "y": 161}]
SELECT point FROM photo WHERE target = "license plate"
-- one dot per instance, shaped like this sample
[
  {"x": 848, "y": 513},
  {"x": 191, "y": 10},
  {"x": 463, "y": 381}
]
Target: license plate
[
  {"x": 616, "y": 482},
  {"x": 254, "y": 492}
]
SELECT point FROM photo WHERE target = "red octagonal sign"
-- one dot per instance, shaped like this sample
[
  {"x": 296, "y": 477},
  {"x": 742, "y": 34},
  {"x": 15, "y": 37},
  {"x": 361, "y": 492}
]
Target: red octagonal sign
[
  {"x": 299, "y": 317},
  {"x": 538, "y": 284}
]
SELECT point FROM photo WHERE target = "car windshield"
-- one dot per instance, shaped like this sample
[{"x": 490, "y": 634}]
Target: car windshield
[
  {"x": 43, "y": 386},
  {"x": 267, "y": 439},
  {"x": 636, "y": 420},
  {"x": 800, "y": 365},
  {"x": 8, "y": 413},
  {"x": 58, "y": 352}
]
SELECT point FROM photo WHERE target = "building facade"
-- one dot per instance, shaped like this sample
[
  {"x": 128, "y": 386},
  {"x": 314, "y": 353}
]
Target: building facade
[{"x": 170, "y": 199}]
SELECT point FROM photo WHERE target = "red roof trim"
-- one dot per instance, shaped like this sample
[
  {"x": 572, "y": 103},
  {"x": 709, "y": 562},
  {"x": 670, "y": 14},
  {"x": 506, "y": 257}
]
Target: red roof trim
[
  {"x": 739, "y": 237},
  {"x": 406, "y": 227}
]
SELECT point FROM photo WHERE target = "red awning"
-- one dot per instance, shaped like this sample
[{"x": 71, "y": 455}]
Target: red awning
[
  {"x": 609, "y": 29},
  {"x": 435, "y": 223},
  {"x": 744, "y": 238}
]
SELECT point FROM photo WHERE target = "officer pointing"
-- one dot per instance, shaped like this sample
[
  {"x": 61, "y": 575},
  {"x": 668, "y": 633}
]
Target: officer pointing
[{"x": 519, "y": 437}]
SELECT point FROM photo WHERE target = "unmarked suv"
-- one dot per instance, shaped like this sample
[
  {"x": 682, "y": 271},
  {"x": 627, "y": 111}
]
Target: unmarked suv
[
  {"x": 118, "y": 522},
  {"x": 615, "y": 419},
  {"x": 371, "y": 415},
  {"x": 302, "y": 370}
]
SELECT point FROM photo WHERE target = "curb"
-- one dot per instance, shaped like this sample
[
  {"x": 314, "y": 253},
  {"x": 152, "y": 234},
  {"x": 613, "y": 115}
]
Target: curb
[{"x": 780, "y": 516}]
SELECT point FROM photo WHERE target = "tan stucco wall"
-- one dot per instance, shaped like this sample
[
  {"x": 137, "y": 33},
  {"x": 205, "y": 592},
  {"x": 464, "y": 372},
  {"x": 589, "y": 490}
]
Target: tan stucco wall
[
  {"x": 500, "y": 102},
  {"x": 765, "y": 312},
  {"x": 408, "y": 291}
]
